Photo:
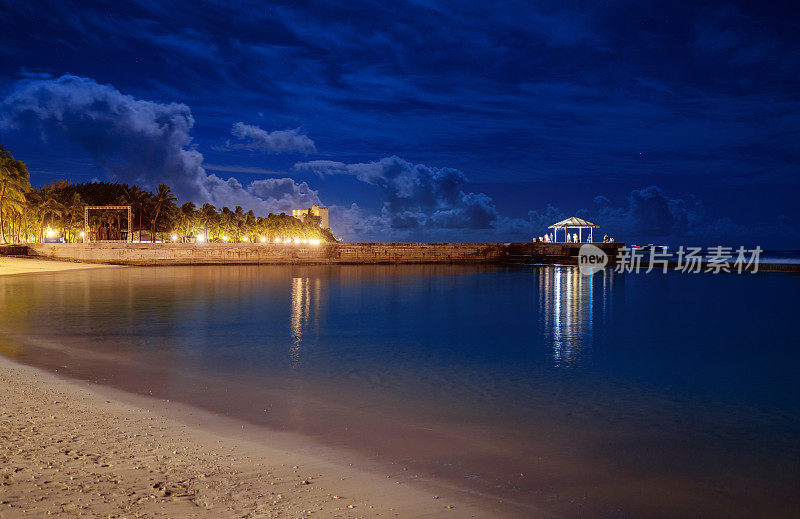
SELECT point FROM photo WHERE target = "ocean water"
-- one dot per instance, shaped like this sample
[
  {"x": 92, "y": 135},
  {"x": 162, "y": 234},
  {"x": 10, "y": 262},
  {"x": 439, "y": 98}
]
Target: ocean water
[{"x": 617, "y": 395}]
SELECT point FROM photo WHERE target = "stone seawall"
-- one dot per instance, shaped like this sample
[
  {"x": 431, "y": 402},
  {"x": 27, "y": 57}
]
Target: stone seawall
[
  {"x": 326, "y": 253},
  {"x": 13, "y": 250},
  {"x": 258, "y": 254}
]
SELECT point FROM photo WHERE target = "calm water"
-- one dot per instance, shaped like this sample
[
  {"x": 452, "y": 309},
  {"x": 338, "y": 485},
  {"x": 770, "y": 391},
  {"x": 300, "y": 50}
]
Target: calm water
[{"x": 612, "y": 396}]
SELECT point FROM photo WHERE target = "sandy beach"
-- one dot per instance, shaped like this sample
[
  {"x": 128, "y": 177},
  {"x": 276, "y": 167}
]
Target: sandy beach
[
  {"x": 16, "y": 265},
  {"x": 72, "y": 448}
]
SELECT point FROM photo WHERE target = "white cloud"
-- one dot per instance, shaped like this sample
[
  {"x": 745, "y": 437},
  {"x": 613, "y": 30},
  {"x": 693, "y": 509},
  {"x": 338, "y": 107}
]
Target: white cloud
[
  {"x": 416, "y": 196},
  {"x": 139, "y": 141},
  {"x": 278, "y": 141}
]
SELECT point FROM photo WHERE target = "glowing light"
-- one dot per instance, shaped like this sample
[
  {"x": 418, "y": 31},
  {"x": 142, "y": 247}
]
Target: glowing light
[
  {"x": 225, "y": 238},
  {"x": 245, "y": 238},
  {"x": 200, "y": 238},
  {"x": 263, "y": 239},
  {"x": 174, "y": 237},
  {"x": 49, "y": 232},
  {"x": 305, "y": 240},
  {"x": 287, "y": 240},
  {"x": 297, "y": 240},
  {"x": 83, "y": 234},
  {"x": 314, "y": 241},
  {"x": 277, "y": 240}
]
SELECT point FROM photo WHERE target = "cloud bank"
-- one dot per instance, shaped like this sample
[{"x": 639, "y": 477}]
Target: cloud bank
[
  {"x": 416, "y": 196},
  {"x": 279, "y": 141},
  {"x": 284, "y": 194},
  {"x": 138, "y": 141},
  {"x": 135, "y": 140}
]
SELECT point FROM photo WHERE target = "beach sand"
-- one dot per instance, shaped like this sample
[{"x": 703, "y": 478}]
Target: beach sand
[
  {"x": 17, "y": 265},
  {"x": 73, "y": 448}
]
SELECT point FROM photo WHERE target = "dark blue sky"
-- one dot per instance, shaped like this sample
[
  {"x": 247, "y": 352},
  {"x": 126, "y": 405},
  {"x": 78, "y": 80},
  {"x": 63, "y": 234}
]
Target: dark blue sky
[{"x": 671, "y": 122}]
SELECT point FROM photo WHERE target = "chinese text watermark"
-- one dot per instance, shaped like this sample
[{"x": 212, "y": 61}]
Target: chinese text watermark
[{"x": 690, "y": 260}]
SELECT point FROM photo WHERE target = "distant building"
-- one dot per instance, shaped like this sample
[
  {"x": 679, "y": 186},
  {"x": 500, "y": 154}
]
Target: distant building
[{"x": 316, "y": 214}]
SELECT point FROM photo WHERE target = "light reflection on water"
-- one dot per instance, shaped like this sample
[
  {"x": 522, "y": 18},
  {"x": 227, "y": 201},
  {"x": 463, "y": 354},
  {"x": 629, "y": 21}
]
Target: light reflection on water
[
  {"x": 529, "y": 354},
  {"x": 568, "y": 314},
  {"x": 306, "y": 298},
  {"x": 567, "y": 306},
  {"x": 412, "y": 325}
]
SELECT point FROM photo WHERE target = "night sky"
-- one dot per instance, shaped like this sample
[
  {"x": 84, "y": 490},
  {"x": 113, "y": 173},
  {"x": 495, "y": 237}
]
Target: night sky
[{"x": 670, "y": 122}]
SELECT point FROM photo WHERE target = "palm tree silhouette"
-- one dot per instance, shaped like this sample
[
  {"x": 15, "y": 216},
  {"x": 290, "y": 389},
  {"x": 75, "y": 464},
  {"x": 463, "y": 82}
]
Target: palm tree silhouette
[
  {"x": 164, "y": 200},
  {"x": 14, "y": 183}
]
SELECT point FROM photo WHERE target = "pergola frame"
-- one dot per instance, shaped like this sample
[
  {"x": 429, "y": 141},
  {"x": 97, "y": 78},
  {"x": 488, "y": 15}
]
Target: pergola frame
[
  {"x": 566, "y": 232},
  {"x": 574, "y": 223},
  {"x": 102, "y": 207}
]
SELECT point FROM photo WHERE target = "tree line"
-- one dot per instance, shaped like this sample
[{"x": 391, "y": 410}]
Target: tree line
[{"x": 32, "y": 214}]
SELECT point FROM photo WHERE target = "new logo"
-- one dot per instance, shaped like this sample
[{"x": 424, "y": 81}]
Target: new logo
[{"x": 591, "y": 259}]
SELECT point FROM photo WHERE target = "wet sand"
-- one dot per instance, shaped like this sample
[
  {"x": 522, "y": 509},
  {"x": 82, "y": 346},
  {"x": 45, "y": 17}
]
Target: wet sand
[
  {"x": 72, "y": 448},
  {"x": 16, "y": 265}
]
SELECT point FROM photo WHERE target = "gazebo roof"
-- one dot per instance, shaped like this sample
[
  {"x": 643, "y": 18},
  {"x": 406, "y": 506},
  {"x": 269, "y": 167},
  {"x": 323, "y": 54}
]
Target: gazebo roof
[{"x": 573, "y": 222}]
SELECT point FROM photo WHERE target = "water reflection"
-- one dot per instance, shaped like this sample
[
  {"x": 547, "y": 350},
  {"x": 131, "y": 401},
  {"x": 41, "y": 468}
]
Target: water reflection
[
  {"x": 305, "y": 294},
  {"x": 567, "y": 304}
]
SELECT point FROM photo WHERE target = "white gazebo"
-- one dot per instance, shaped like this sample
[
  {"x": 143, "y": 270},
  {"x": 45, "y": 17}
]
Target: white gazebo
[{"x": 573, "y": 223}]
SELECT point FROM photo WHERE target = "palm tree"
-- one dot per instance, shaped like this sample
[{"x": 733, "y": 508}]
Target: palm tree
[
  {"x": 164, "y": 201},
  {"x": 187, "y": 218},
  {"x": 14, "y": 183},
  {"x": 238, "y": 221},
  {"x": 28, "y": 218},
  {"x": 208, "y": 214},
  {"x": 227, "y": 219},
  {"x": 49, "y": 206},
  {"x": 74, "y": 215},
  {"x": 249, "y": 223},
  {"x": 137, "y": 198}
]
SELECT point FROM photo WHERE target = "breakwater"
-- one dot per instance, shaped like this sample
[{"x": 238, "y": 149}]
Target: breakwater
[
  {"x": 326, "y": 253},
  {"x": 13, "y": 250}
]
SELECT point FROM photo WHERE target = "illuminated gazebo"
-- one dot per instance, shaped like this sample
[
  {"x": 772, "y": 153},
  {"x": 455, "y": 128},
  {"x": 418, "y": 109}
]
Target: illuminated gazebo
[{"x": 573, "y": 223}]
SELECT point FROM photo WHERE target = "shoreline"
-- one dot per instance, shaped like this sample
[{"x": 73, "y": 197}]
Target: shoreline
[
  {"x": 15, "y": 265},
  {"x": 73, "y": 445}
]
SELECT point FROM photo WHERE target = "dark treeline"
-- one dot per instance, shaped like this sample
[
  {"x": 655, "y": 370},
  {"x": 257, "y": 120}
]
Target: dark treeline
[{"x": 56, "y": 210}]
